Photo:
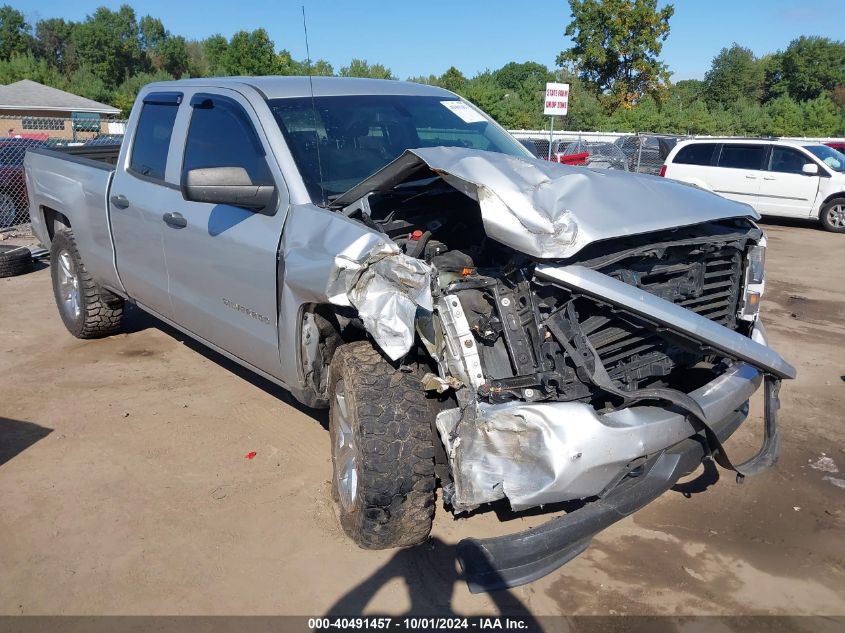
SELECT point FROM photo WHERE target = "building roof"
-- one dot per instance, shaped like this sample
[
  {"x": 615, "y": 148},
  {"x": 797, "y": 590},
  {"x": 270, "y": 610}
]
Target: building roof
[
  {"x": 275, "y": 87},
  {"x": 31, "y": 95}
]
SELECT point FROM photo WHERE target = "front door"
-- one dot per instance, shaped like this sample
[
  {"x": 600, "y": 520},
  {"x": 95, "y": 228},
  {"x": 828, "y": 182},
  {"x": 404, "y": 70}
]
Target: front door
[
  {"x": 222, "y": 259},
  {"x": 138, "y": 193},
  {"x": 785, "y": 189}
]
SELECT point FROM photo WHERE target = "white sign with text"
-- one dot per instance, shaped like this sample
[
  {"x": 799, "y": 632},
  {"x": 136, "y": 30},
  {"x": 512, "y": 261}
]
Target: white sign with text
[{"x": 557, "y": 99}]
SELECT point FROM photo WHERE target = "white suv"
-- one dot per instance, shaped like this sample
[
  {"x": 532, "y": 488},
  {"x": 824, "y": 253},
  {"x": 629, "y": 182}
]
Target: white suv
[{"x": 785, "y": 178}]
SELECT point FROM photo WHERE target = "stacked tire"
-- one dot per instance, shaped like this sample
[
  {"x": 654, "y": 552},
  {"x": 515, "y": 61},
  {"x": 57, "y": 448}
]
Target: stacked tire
[{"x": 14, "y": 260}]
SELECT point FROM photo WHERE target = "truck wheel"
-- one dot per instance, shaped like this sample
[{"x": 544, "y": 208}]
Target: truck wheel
[
  {"x": 382, "y": 449},
  {"x": 833, "y": 215},
  {"x": 87, "y": 310},
  {"x": 14, "y": 260}
]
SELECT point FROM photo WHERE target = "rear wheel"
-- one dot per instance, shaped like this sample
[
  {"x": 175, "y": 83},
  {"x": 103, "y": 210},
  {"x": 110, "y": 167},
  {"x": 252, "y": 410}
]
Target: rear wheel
[
  {"x": 382, "y": 449},
  {"x": 833, "y": 215},
  {"x": 87, "y": 310}
]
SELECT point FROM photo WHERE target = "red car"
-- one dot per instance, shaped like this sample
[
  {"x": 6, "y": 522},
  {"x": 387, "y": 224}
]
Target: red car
[
  {"x": 839, "y": 146},
  {"x": 13, "y": 198}
]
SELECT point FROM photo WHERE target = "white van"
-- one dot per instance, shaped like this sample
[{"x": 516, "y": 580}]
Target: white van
[{"x": 795, "y": 179}]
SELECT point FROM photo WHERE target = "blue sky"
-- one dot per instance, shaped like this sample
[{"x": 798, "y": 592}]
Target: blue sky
[{"x": 422, "y": 38}]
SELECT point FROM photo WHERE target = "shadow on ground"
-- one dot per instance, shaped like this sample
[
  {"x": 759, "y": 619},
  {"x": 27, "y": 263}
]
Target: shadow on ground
[
  {"x": 430, "y": 573},
  {"x": 16, "y": 436}
]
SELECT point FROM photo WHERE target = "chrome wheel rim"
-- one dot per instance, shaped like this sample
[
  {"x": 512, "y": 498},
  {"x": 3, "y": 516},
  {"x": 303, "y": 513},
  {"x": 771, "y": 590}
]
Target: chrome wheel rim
[
  {"x": 345, "y": 457},
  {"x": 836, "y": 216},
  {"x": 68, "y": 286}
]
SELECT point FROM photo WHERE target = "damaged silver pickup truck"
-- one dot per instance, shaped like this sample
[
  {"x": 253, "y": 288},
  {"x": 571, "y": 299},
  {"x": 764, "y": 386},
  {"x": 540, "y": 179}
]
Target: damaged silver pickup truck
[{"x": 505, "y": 327}]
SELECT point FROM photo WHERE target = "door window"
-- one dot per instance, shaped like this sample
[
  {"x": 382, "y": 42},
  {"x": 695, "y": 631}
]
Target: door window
[
  {"x": 742, "y": 156},
  {"x": 152, "y": 135},
  {"x": 787, "y": 160},
  {"x": 221, "y": 135},
  {"x": 695, "y": 154}
]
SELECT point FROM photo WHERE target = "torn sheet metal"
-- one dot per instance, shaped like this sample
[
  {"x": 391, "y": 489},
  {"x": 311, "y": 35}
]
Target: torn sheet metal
[
  {"x": 546, "y": 452},
  {"x": 327, "y": 258},
  {"x": 548, "y": 210},
  {"x": 387, "y": 288}
]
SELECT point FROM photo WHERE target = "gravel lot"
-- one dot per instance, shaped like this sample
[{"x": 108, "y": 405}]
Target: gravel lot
[{"x": 124, "y": 487}]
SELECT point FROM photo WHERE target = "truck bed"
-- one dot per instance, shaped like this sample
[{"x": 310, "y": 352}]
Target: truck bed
[{"x": 75, "y": 182}]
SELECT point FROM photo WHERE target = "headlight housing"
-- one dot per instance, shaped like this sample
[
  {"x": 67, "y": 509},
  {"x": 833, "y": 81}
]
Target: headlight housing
[{"x": 755, "y": 262}]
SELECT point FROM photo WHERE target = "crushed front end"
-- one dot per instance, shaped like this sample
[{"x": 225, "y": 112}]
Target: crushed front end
[{"x": 582, "y": 362}]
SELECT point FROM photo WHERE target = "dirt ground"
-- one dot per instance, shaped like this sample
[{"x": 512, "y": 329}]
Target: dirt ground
[{"x": 124, "y": 487}]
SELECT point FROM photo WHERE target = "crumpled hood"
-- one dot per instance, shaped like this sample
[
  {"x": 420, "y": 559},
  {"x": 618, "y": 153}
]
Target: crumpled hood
[{"x": 548, "y": 210}]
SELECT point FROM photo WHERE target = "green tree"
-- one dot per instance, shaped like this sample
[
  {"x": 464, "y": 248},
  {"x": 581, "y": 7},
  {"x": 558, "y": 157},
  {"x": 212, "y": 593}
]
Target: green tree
[
  {"x": 26, "y": 66},
  {"x": 735, "y": 73},
  {"x": 108, "y": 44},
  {"x": 362, "y": 68},
  {"x": 786, "y": 116},
  {"x": 811, "y": 66},
  {"x": 821, "y": 117},
  {"x": 54, "y": 43},
  {"x": 453, "y": 79},
  {"x": 214, "y": 49},
  {"x": 617, "y": 44},
  {"x": 15, "y": 36},
  {"x": 125, "y": 94},
  {"x": 250, "y": 53},
  {"x": 88, "y": 84}
]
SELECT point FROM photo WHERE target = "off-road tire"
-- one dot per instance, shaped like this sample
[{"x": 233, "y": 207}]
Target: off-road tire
[
  {"x": 14, "y": 260},
  {"x": 100, "y": 312},
  {"x": 390, "y": 416},
  {"x": 825, "y": 216}
]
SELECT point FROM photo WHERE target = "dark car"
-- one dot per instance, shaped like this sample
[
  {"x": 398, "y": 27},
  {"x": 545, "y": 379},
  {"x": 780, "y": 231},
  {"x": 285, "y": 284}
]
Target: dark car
[
  {"x": 13, "y": 198},
  {"x": 531, "y": 146},
  {"x": 645, "y": 154}
]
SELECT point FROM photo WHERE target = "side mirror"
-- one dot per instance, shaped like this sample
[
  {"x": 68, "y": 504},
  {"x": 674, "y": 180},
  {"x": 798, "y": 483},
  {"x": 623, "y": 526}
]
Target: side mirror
[
  {"x": 226, "y": 185},
  {"x": 811, "y": 169}
]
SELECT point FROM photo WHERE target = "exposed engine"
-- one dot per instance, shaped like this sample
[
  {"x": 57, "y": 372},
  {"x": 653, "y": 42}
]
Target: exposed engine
[{"x": 534, "y": 341}]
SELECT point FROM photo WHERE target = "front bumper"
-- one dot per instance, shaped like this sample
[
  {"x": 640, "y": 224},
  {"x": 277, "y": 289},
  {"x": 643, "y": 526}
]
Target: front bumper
[{"x": 516, "y": 559}]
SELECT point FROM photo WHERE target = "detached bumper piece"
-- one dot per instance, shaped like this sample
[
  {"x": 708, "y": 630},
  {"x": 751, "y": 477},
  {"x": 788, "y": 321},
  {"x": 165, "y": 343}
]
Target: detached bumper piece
[{"x": 517, "y": 559}]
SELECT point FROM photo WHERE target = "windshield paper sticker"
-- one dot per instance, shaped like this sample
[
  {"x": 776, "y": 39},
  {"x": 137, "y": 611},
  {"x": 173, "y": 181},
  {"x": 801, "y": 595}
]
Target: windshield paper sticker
[{"x": 464, "y": 112}]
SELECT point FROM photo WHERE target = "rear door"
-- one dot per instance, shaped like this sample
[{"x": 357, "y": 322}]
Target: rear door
[
  {"x": 785, "y": 190},
  {"x": 222, "y": 259},
  {"x": 138, "y": 194},
  {"x": 739, "y": 171}
]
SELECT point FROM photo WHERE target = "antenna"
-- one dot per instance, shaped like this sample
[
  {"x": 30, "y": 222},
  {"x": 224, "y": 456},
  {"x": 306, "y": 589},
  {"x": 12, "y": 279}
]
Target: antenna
[{"x": 313, "y": 106}]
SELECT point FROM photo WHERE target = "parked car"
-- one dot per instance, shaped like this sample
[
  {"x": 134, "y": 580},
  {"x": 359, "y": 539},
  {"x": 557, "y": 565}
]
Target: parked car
[
  {"x": 531, "y": 146},
  {"x": 13, "y": 196},
  {"x": 472, "y": 316},
  {"x": 645, "y": 153},
  {"x": 839, "y": 146},
  {"x": 794, "y": 179},
  {"x": 597, "y": 155}
]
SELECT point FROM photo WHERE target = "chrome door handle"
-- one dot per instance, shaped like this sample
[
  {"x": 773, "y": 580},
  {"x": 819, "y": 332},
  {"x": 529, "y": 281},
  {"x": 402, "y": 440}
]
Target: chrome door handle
[
  {"x": 120, "y": 201},
  {"x": 751, "y": 177},
  {"x": 769, "y": 178},
  {"x": 176, "y": 220}
]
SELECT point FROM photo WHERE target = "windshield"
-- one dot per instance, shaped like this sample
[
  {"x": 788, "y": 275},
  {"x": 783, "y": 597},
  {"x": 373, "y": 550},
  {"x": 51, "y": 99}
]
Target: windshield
[
  {"x": 358, "y": 135},
  {"x": 829, "y": 156}
]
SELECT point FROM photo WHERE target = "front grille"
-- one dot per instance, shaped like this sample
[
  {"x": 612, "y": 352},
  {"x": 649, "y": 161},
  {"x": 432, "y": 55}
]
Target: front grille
[{"x": 704, "y": 279}]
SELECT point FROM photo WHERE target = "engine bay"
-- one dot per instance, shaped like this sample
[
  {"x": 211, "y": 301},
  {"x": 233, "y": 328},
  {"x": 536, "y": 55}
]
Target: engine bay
[{"x": 537, "y": 342}]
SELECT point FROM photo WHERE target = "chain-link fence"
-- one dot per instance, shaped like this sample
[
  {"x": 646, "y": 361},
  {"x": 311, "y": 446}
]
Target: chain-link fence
[
  {"x": 642, "y": 153},
  {"x": 21, "y": 132}
]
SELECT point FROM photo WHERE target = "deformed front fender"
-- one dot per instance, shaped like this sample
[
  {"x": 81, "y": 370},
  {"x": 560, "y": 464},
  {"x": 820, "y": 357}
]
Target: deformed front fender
[{"x": 326, "y": 258}]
